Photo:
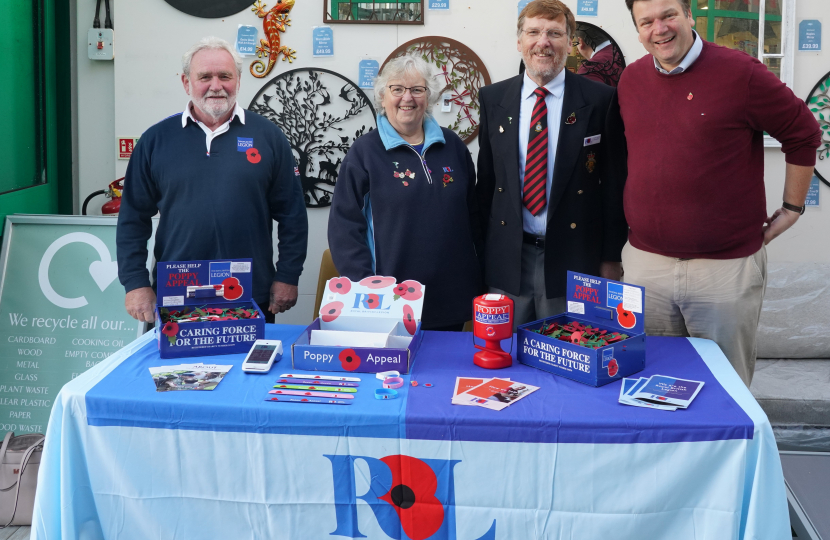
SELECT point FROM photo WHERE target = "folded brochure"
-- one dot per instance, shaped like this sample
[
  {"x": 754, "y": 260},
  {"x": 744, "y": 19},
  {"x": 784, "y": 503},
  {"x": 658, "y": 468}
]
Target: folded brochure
[
  {"x": 659, "y": 392},
  {"x": 494, "y": 394},
  {"x": 188, "y": 376},
  {"x": 462, "y": 384}
]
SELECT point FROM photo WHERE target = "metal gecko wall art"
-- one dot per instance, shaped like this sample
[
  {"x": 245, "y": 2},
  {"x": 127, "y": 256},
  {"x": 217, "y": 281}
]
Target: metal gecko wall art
[
  {"x": 275, "y": 21},
  {"x": 321, "y": 114}
]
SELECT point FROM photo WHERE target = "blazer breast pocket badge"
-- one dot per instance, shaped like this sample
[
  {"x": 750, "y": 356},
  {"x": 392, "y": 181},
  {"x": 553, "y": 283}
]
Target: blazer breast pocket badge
[
  {"x": 593, "y": 139},
  {"x": 592, "y": 162}
]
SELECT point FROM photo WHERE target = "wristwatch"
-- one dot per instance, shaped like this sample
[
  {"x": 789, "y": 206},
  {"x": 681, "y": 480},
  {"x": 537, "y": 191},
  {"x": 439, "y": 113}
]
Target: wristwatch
[{"x": 794, "y": 208}]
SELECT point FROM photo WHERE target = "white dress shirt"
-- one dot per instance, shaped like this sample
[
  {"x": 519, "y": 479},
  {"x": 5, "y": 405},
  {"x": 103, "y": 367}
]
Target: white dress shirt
[
  {"x": 538, "y": 224},
  {"x": 210, "y": 135},
  {"x": 688, "y": 60}
]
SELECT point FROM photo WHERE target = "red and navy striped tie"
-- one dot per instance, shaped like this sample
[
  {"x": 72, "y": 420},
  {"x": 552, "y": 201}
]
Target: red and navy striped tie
[{"x": 536, "y": 162}]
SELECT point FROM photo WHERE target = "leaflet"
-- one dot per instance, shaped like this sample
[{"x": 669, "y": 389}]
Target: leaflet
[
  {"x": 630, "y": 387},
  {"x": 462, "y": 384},
  {"x": 188, "y": 376},
  {"x": 664, "y": 390},
  {"x": 495, "y": 394}
]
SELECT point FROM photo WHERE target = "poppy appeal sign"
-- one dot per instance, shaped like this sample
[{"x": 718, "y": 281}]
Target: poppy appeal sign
[
  {"x": 205, "y": 308},
  {"x": 368, "y": 326},
  {"x": 598, "y": 308}
]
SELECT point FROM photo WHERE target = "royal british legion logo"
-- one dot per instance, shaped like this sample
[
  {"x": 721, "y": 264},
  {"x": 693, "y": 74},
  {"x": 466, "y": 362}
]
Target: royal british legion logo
[
  {"x": 411, "y": 498},
  {"x": 219, "y": 271}
]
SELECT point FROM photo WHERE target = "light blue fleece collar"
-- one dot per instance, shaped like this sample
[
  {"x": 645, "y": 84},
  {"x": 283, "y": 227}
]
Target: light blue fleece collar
[{"x": 391, "y": 139}]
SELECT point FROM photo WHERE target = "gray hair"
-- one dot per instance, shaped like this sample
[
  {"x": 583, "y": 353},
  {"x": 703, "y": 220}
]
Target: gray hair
[
  {"x": 398, "y": 68},
  {"x": 213, "y": 43}
]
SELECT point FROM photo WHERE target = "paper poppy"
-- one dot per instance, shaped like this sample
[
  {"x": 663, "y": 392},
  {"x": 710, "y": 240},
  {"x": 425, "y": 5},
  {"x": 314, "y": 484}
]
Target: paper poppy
[
  {"x": 170, "y": 329},
  {"x": 349, "y": 359},
  {"x": 377, "y": 282},
  {"x": 330, "y": 311},
  {"x": 233, "y": 289},
  {"x": 408, "y": 290},
  {"x": 626, "y": 318},
  {"x": 340, "y": 285},
  {"x": 214, "y": 311},
  {"x": 253, "y": 155},
  {"x": 409, "y": 319},
  {"x": 412, "y": 496}
]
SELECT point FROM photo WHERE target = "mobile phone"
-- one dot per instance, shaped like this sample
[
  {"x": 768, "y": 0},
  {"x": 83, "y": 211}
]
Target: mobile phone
[{"x": 262, "y": 356}]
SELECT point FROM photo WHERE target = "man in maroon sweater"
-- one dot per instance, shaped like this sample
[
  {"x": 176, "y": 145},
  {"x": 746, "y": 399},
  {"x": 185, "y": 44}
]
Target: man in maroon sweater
[{"x": 695, "y": 115}]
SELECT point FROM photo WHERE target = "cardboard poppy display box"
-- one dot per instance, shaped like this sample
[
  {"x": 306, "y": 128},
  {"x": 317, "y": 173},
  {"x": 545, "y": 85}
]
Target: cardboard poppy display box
[
  {"x": 366, "y": 327},
  {"x": 209, "y": 285},
  {"x": 599, "y": 303}
]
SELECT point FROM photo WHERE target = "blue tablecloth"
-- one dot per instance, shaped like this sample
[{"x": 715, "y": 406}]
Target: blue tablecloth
[{"x": 125, "y": 461}]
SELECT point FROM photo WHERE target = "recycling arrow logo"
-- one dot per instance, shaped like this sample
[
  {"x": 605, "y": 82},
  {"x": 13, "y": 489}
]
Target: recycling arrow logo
[{"x": 103, "y": 272}]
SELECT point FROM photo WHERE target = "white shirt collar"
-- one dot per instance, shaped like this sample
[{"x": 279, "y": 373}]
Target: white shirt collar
[
  {"x": 691, "y": 56},
  {"x": 237, "y": 111},
  {"x": 602, "y": 46},
  {"x": 556, "y": 86}
]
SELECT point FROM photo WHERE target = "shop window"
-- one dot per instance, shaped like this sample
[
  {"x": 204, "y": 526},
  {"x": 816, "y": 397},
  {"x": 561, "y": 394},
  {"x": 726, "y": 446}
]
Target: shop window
[{"x": 764, "y": 29}]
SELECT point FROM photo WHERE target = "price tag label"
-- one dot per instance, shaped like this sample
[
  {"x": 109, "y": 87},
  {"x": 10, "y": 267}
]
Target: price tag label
[
  {"x": 438, "y": 4},
  {"x": 322, "y": 41},
  {"x": 367, "y": 73},
  {"x": 809, "y": 35},
  {"x": 587, "y": 8},
  {"x": 813, "y": 193},
  {"x": 246, "y": 40}
]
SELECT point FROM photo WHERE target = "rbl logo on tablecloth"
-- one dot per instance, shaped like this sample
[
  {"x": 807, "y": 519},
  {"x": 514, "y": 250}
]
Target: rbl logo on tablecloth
[{"x": 411, "y": 498}]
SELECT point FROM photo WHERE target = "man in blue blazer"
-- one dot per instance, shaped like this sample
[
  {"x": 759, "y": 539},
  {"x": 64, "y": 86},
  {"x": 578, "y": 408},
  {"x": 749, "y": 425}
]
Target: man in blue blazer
[{"x": 551, "y": 170}]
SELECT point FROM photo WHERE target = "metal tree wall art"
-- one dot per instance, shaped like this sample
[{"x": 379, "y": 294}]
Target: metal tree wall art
[
  {"x": 819, "y": 103},
  {"x": 463, "y": 74},
  {"x": 321, "y": 113},
  {"x": 275, "y": 21}
]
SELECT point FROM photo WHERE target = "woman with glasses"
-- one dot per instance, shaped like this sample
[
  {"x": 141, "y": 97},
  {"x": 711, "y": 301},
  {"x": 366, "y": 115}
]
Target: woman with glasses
[{"x": 404, "y": 204}]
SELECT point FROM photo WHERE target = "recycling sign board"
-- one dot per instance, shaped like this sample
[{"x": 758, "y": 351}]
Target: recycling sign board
[{"x": 61, "y": 311}]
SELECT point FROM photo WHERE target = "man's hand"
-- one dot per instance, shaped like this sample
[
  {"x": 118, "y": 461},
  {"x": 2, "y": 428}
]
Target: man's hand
[
  {"x": 141, "y": 304},
  {"x": 610, "y": 270},
  {"x": 283, "y": 297},
  {"x": 780, "y": 221}
]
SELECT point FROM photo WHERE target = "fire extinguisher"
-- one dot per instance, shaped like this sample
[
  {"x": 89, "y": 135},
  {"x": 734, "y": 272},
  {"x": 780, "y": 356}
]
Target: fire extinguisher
[{"x": 113, "y": 192}]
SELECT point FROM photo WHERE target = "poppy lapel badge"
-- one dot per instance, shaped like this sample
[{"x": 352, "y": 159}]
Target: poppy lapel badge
[{"x": 571, "y": 119}]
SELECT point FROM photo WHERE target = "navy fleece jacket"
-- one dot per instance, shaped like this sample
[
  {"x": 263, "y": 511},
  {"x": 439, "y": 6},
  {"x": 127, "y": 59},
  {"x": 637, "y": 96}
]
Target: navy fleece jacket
[
  {"x": 398, "y": 213},
  {"x": 217, "y": 206}
]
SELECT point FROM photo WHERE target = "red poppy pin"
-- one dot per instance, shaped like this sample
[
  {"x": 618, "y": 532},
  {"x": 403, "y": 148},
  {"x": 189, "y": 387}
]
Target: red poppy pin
[
  {"x": 447, "y": 179},
  {"x": 253, "y": 155}
]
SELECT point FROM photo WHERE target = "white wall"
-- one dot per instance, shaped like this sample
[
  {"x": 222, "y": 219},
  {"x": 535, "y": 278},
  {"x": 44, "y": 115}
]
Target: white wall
[{"x": 142, "y": 86}]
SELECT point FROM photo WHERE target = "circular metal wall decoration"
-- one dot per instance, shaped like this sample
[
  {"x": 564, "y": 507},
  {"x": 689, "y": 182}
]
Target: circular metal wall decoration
[
  {"x": 606, "y": 65},
  {"x": 819, "y": 103},
  {"x": 321, "y": 113},
  {"x": 210, "y": 9},
  {"x": 463, "y": 74}
]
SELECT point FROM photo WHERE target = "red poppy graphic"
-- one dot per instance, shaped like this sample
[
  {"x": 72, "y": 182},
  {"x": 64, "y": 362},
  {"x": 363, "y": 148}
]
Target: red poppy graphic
[
  {"x": 233, "y": 289},
  {"x": 377, "y": 282},
  {"x": 408, "y": 290},
  {"x": 613, "y": 367},
  {"x": 349, "y": 359},
  {"x": 409, "y": 319},
  {"x": 340, "y": 285},
  {"x": 626, "y": 318},
  {"x": 253, "y": 155},
  {"x": 170, "y": 329},
  {"x": 331, "y": 311},
  {"x": 412, "y": 496},
  {"x": 372, "y": 301}
]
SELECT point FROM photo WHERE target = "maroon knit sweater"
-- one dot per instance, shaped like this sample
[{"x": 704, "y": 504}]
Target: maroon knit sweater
[{"x": 695, "y": 185}]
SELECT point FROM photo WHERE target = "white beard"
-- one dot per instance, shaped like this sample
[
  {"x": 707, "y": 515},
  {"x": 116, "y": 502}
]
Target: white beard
[
  {"x": 547, "y": 73},
  {"x": 215, "y": 108}
]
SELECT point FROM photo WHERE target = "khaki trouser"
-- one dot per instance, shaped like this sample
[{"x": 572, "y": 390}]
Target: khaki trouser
[{"x": 705, "y": 298}]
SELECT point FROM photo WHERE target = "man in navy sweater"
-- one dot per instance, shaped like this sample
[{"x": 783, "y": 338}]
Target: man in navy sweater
[
  {"x": 219, "y": 176},
  {"x": 695, "y": 114}
]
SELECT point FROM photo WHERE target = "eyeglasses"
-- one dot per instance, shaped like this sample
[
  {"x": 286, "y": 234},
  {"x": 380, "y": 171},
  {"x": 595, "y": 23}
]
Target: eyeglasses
[
  {"x": 553, "y": 35},
  {"x": 415, "y": 91}
]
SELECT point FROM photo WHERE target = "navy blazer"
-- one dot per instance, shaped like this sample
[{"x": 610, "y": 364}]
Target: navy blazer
[{"x": 586, "y": 223}]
